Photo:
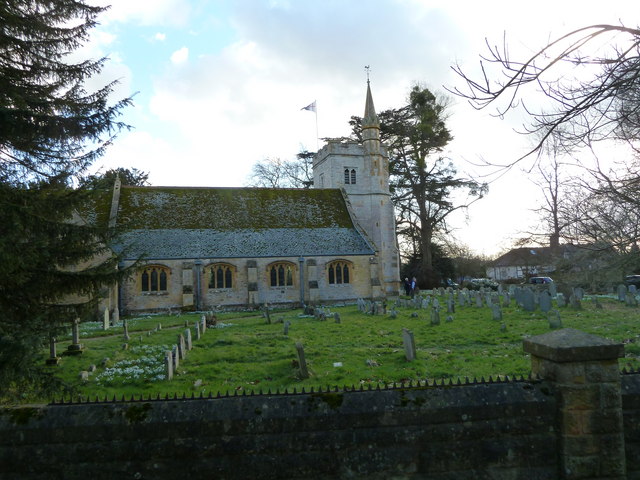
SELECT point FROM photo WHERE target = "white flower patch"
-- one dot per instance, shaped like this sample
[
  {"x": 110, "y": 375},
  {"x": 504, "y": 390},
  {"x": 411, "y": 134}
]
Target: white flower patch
[{"x": 149, "y": 366}]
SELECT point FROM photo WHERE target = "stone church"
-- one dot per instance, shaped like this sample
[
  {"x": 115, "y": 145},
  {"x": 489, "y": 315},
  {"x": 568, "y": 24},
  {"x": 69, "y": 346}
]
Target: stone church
[{"x": 203, "y": 248}]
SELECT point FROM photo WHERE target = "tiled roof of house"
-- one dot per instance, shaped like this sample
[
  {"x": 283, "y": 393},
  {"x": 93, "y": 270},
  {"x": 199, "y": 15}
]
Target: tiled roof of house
[
  {"x": 524, "y": 256},
  {"x": 179, "y": 222}
]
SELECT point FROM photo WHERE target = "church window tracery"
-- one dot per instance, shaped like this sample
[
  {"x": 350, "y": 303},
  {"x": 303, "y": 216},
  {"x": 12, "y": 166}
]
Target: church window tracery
[
  {"x": 221, "y": 275},
  {"x": 339, "y": 272},
  {"x": 154, "y": 278},
  {"x": 281, "y": 274}
]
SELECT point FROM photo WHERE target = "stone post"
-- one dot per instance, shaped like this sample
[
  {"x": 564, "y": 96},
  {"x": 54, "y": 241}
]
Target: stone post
[{"x": 584, "y": 370}]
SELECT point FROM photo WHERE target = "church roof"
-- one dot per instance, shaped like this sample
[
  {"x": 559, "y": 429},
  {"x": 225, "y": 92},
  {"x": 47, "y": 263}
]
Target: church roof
[{"x": 191, "y": 222}]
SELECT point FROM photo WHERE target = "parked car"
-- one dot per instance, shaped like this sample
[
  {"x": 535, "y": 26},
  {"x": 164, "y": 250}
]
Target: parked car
[
  {"x": 632, "y": 280},
  {"x": 540, "y": 280},
  {"x": 477, "y": 283},
  {"x": 449, "y": 283}
]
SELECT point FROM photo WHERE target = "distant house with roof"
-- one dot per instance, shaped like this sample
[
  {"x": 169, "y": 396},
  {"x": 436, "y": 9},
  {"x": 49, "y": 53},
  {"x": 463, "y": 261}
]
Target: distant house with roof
[
  {"x": 200, "y": 248},
  {"x": 522, "y": 263}
]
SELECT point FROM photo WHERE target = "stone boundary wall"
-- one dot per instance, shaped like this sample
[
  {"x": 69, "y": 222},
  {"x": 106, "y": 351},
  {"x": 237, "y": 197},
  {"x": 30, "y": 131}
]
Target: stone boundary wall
[
  {"x": 581, "y": 420},
  {"x": 492, "y": 431}
]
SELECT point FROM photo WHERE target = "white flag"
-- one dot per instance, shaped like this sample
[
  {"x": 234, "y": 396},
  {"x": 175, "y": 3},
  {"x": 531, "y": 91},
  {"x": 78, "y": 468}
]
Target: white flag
[{"x": 311, "y": 107}]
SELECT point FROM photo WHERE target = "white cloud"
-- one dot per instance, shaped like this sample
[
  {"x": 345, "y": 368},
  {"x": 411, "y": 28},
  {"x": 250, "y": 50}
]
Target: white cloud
[
  {"x": 180, "y": 56},
  {"x": 156, "y": 13},
  {"x": 160, "y": 37}
]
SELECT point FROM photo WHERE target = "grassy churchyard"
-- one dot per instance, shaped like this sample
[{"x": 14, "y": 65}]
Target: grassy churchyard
[{"x": 244, "y": 353}]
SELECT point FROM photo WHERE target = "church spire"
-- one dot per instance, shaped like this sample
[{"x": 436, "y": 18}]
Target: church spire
[
  {"x": 370, "y": 123},
  {"x": 370, "y": 118}
]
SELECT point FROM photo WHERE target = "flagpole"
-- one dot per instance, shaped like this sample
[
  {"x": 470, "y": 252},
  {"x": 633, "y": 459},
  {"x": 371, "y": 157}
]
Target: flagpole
[{"x": 317, "y": 137}]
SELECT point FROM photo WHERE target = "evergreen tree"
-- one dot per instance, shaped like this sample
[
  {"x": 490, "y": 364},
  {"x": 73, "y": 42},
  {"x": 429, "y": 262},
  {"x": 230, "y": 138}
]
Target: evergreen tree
[
  {"x": 53, "y": 263},
  {"x": 422, "y": 180}
]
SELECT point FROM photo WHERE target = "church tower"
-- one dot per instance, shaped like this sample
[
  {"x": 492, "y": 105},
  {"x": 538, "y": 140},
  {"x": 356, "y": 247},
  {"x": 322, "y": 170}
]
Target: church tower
[{"x": 361, "y": 170}]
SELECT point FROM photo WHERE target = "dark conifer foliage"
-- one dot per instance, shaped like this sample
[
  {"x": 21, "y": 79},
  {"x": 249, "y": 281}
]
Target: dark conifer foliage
[{"x": 53, "y": 262}]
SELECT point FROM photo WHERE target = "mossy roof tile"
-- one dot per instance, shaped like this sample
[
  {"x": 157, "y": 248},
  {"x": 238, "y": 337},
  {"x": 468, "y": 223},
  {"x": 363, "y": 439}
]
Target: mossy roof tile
[{"x": 174, "y": 222}]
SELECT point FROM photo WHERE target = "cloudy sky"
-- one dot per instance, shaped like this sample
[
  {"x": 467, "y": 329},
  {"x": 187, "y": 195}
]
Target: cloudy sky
[{"x": 219, "y": 85}]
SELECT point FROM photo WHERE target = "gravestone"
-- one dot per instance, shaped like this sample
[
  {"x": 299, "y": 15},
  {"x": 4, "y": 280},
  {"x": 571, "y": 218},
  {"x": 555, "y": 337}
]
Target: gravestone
[
  {"x": 115, "y": 318},
  {"x": 409, "y": 344},
  {"x": 287, "y": 324},
  {"x": 425, "y": 303},
  {"x": 105, "y": 320},
  {"x": 506, "y": 299},
  {"x": 478, "y": 299},
  {"x": 631, "y": 300},
  {"x": 597, "y": 303},
  {"x": 449, "y": 319},
  {"x": 168, "y": 365},
  {"x": 435, "y": 316},
  {"x": 462, "y": 299},
  {"x": 503, "y": 327},
  {"x": 176, "y": 358},
  {"x": 555, "y": 322},
  {"x": 125, "y": 327},
  {"x": 451, "y": 306},
  {"x": 553, "y": 289},
  {"x": 53, "y": 359},
  {"x": 159, "y": 327},
  {"x": 622, "y": 292},
  {"x": 336, "y": 317},
  {"x": 633, "y": 289},
  {"x": 197, "y": 330},
  {"x": 436, "y": 303},
  {"x": 575, "y": 302},
  {"x": 545, "y": 301},
  {"x": 560, "y": 300},
  {"x": 579, "y": 293},
  {"x": 203, "y": 324},
  {"x": 187, "y": 337},
  {"x": 182, "y": 351},
  {"x": 496, "y": 312},
  {"x": 393, "y": 314},
  {"x": 302, "y": 362},
  {"x": 76, "y": 348},
  {"x": 528, "y": 303}
]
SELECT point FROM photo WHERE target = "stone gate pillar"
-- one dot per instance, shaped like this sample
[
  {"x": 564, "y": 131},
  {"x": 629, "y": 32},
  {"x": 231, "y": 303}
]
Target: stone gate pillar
[{"x": 584, "y": 369}]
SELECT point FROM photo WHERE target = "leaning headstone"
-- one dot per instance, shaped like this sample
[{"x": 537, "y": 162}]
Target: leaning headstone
[
  {"x": 545, "y": 301},
  {"x": 168, "y": 365},
  {"x": 409, "y": 344},
  {"x": 496, "y": 312},
  {"x": 286, "y": 327},
  {"x": 302, "y": 362},
  {"x": 622, "y": 292},
  {"x": 555, "y": 322},
  {"x": 187, "y": 338}
]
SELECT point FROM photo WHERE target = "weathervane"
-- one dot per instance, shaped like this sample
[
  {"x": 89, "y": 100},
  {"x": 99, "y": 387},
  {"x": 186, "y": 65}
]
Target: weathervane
[{"x": 368, "y": 70}]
